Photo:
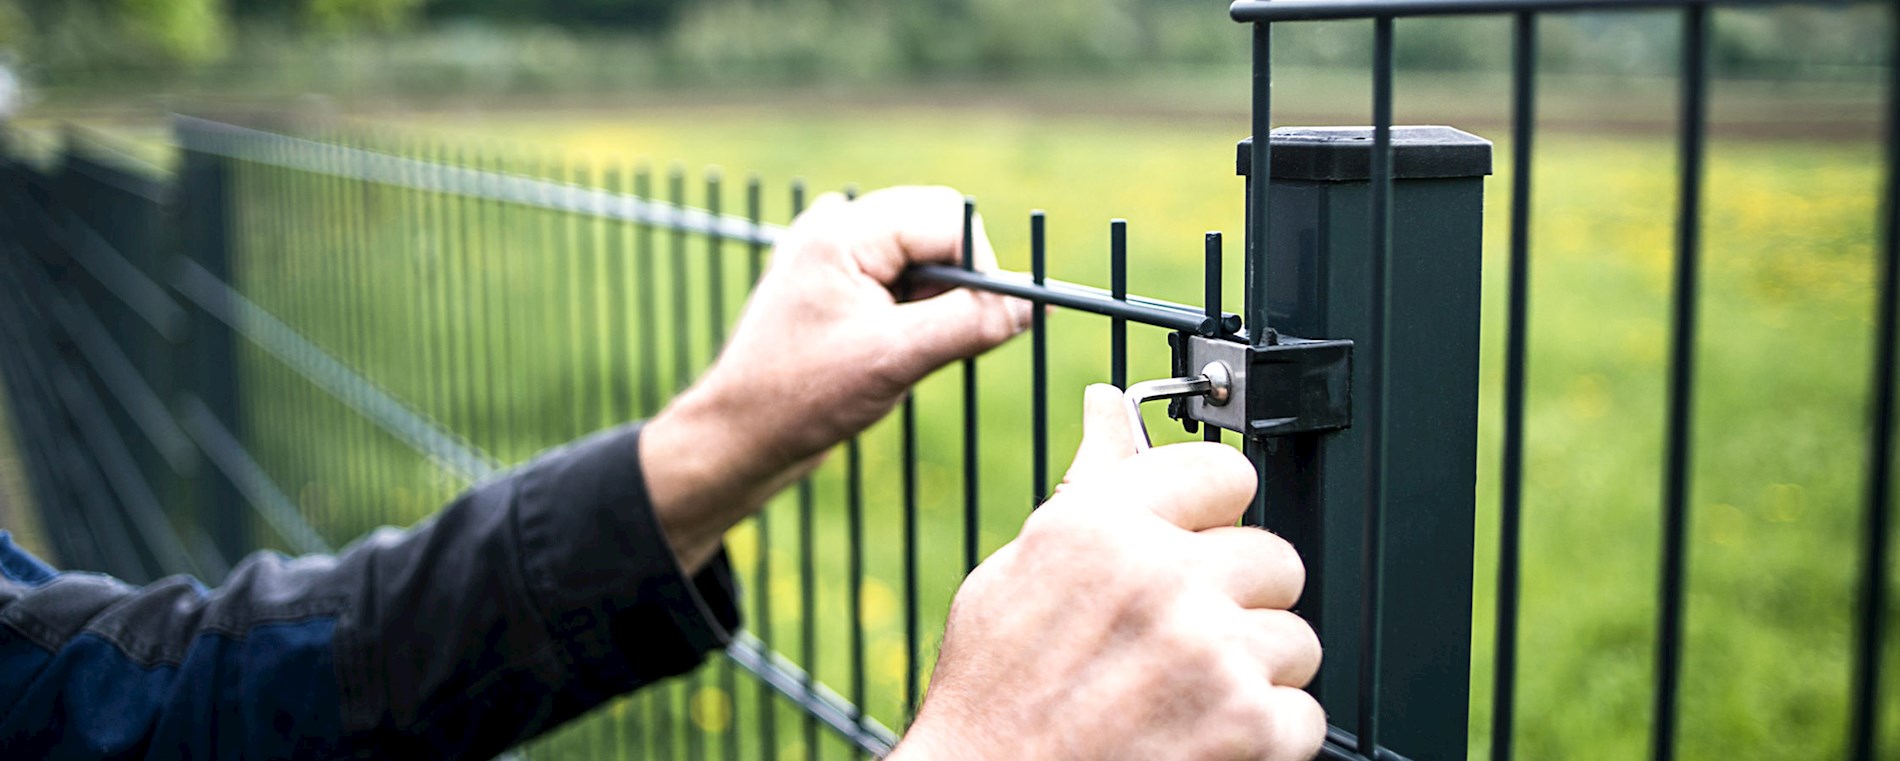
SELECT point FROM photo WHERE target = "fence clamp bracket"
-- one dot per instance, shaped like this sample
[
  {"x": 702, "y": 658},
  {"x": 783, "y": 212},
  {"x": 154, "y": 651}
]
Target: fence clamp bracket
[{"x": 1293, "y": 385}]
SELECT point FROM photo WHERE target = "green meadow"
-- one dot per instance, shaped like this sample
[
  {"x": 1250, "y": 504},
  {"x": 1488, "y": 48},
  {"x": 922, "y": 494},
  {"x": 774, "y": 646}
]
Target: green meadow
[{"x": 1779, "y": 455}]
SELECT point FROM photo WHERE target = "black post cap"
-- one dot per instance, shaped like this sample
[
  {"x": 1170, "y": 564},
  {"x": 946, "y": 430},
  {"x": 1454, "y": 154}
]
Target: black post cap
[{"x": 1344, "y": 154}]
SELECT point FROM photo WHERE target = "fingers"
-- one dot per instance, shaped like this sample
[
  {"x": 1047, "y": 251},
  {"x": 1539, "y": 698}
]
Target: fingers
[
  {"x": 1288, "y": 650},
  {"x": 1254, "y": 567},
  {"x": 1107, "y": 438},
  {"x": 915, "y": 225},
  {"x": 1196, "y": 486},
  {"x": 881, "y": 234},
  {"x": 955, "y": 325},
  {"x": 1298, "y": 726}
]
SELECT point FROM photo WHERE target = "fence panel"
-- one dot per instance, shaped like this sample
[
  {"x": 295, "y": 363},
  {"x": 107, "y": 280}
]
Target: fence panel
[{"x": 296, "y": 338}]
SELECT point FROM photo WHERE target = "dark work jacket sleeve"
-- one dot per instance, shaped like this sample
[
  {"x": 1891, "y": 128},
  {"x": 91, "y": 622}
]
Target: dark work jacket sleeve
[{"x": 527, "y": 601}]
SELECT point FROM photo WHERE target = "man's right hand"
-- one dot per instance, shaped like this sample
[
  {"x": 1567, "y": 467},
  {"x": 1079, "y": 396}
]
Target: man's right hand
[{"x": 1131, "y": 619}]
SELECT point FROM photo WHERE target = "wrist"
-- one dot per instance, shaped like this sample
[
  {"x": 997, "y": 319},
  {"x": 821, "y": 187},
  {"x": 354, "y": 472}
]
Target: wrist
[
  {"x": 925, "y": 742},
  {"x": 705, "y": 471}
]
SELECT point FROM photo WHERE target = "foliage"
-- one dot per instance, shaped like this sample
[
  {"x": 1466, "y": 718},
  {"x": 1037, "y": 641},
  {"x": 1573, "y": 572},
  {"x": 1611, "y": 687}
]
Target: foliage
[
  {"x": 780, "y": 41},
  {"x": 374, "y": 14},
  {"x": 114, "y": 32}
]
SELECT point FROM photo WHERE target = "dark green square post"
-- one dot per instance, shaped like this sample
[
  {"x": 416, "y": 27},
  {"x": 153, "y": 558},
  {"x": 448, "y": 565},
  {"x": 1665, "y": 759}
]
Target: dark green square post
[
  {"x": 208, "y": 359},
  {"x": 1315, "y": 263}
]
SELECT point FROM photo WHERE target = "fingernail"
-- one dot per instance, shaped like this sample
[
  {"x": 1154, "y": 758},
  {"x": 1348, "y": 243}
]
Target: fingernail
[{"x": 1023, "y": 313}]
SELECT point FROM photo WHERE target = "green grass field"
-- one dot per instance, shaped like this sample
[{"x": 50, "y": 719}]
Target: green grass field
[
  {"x": 1779, "y": 442},
  {"x": 1779, "y": 438}
]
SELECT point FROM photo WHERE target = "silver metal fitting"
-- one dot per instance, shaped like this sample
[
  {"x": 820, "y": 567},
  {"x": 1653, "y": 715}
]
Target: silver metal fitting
[{"x": 1214, "y": 383}]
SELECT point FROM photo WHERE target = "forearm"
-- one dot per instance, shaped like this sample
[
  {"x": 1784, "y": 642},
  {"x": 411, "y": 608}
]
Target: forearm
[
  {"x": 529, "y": 601},
  {"x": 706, "y": 470},
  {"x": 526, "y": 602}
]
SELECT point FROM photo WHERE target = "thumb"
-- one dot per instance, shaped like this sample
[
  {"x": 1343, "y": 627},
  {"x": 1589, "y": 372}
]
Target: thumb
[{"x": 1107, "y": 437}]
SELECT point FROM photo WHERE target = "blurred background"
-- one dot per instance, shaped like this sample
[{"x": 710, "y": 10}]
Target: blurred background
[
  {"x": 118, "y": 58},
  {"x": 1131, "y": 108}
]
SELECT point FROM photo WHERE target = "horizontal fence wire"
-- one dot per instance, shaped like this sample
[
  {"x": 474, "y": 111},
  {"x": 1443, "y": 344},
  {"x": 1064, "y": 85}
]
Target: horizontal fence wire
[
  {"x": 1336, "y": 10},
  {"x": 267, "y": 332},
  {"x": 458, "y": 454},
  {"x": 229, "y": 455},
  {"x": 433, "y": 179},
  {"x": 295, "y": 153}
]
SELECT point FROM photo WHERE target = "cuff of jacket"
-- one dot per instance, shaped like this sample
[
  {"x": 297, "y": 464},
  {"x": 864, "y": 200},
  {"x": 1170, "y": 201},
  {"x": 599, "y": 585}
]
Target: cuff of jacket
[{"x": 598, "y": 562}]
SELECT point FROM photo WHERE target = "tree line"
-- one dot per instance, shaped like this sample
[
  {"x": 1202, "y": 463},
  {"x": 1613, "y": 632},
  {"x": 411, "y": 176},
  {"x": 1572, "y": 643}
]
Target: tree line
[{"x": 883, "y": 40}]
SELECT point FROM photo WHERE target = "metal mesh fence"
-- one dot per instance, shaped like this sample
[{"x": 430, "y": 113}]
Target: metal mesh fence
[{"x": 298, "y": 338}]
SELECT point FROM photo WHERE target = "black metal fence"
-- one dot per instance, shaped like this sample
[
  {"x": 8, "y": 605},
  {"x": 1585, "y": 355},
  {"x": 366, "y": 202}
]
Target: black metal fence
[{"x": 291, "y": 339}]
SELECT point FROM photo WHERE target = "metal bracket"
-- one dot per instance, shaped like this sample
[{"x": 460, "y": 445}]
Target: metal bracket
[{"x": 1294, "y": 385}]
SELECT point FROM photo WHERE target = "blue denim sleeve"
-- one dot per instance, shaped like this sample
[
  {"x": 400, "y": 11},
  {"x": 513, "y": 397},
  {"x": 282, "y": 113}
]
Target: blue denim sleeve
[{"x": 523, "y": 604}]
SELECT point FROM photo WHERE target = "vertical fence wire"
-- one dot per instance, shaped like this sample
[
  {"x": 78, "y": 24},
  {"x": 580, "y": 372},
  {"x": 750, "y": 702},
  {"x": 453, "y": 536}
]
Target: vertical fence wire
[
  {"x": 807, "y": 574},
  {"x": 854, "y": 560},
  {"x": 470, "y": 314},
  {"x": 1870, "y": 626},
  {"x": 646, "y": 295},
  {"x": 1517, "y": 332},
  {"x": 762, "y": 608},
  {"x": 728, "y": 679},
  {"x": 854, "y": 572},
  {"x": 617, "y": 332},
  {"x": 646, "y": 267},
  {"x": 359, "y": 198},
  {"x": 461, "y": 314},
  {"x": 1118, "y": 290},
  {"x": 913, "y": 633},
  {"x": 325, "y": 293},
  {"x": 1210, "y": 298},
  {"x": 688, "y": 686},
  {"x": 503, "y": 322},
  {"x": 972, "y": 499},
  {"x": 1258, "y": 223},
  {"x": 1673, "y": 591},
  {"x": 1372, "y": 550},
  {"x": 306, "y": 308},
  {"x": 1038, "y": 365}
]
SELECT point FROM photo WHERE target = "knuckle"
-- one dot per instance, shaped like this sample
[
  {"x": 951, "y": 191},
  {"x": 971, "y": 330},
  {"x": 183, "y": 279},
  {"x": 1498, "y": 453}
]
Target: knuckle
[
  {"x": 1244, "y": 726},
  {"x": 1282, "y": 558},
  {"x": 1291, "y": 647},
  {"x": 1230, "y": 467},
  {"x": 1201, "y": 654},
  {"x": 1299, "y": 725},
  {"x": 1257, "y": 712}
]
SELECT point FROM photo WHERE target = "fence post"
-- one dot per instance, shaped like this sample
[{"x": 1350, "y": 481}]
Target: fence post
[
  {"x": 1315, "y": 260},
  {"x": 207, "y": 365},
  {"x": 118, "y": 220}
]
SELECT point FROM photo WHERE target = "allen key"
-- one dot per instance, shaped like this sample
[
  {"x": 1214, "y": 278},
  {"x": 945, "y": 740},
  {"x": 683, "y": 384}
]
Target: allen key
[{"x": 1215, "y": 381}]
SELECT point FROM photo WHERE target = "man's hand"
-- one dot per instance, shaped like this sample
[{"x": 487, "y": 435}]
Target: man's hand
[
  {"x": 1130, "y": 620},
  {"x": 823, "y": 350}
]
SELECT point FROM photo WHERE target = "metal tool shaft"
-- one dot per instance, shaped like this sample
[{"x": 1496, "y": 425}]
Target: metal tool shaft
[{"x": 1165, "y": 388}]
